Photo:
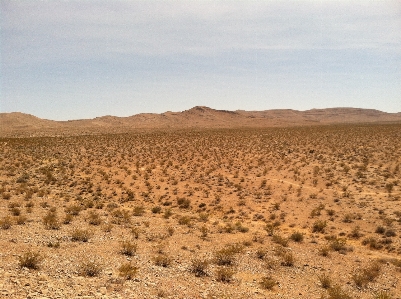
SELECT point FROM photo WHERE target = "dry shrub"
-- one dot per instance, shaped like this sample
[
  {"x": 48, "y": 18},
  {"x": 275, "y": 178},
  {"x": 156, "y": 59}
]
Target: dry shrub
[
  {"x": 6, "y": 222},
  {"x": 324, "y": 251},
  {"x": 80, "y": 235},
  {"x": 363, "y": 276},
  {"x": 288, "y": 259},
  {"x": 50, "y": 220},
  {"x": 225, "y": 274},
  {"x": 339, "y": 244},
  {"x": 94, "y": 218},
  {"x": 382, "y": 295},
  {"x": 319, "y": 226},
  {"x": 337, "y": 292},
  {"x": 372, "y": 243},
  {"x": 297, "y": 237},
  {"x": 127, "y": 271},
  {"x": 226, "y": 255},
  {"x": 30, "y": 259},
  {"x": 325, "y": 281},
  {"x": 139, "y": 210},
  {"x": 90, "y": 268},
  {"x": 121, "y": 216},
  {"x": 267, "y": 282},
  {"x": 73, "y": 210},
  {"x": 184, "y": 220},
  {"x": 280, "y": 240},
  {"x": 135, "y": 232},
  {"x": 199, "y": 266},
  {"x": 162, "y": 260},
  {"x": 261, "y": 253},
  {"x": 128, "y": 248},
  {"x": 21, "y": 219}
]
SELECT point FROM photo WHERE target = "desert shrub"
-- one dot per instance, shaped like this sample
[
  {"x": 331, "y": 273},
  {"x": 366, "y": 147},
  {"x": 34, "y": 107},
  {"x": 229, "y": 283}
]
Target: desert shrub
[
  {"x": 170, "y": 231},
  {"x": 380, "y": 230},
  {"x": 6, "y": 222},
  {"x": 270, "y": 262},
  {"x": 21, "y": 219},
  {"x": 94, "y": 218},
  {"x": 297, "y": 237},
  {"x": 128, "y": 248},
  {"x": 107, "y": 227},
  {"x": 167, "y": 213},
  {"x": 267, "y": 282},
  {"x": 127, "y": 271},
  {"x": 139, "y": 211},
  {"x": 204, "y": 230},
  {"x": 324, "y": 251},
  {"x": 15, "y": 211},
  {"x": 121, "y": 216},
  {"x": 288, "y": 259},
  {"x": 338, "y": 244},
  {"x": 382, "y": 295},
  {"x": 319, "y": 226},
  {"x": 68, "y": 218},
  {"x": 6, "y": 195},
  {"x": 199, "y": 266},
  {"x": 372, "y": 243},
  {"x": 363, "y": 276},
  {"x": 29, "y": 204},
  {"x": 162, "y": 260},
  {"x": 325, "y": 281},
  {"x": 348, "y": 218},
  {"x": 355, "y": 233},
  {"x": 280, "y": 240},
  {"x": 156, "y": 210},
  {"x": 271, "y": 228},
  {"x": 135, "y": 232},
  {"x": 225, "y": 274},
  {"x": 53, "y": 244},
  {"x": 73, "y": 210},
  {"x": 279, "y": 250},
  {"x": 90, "y": 268},
  {"x": 337, "y": 292},
  {"x": 80, "y": 235},
  {"x": 390, "y": 233},
  {"x": 239, "y": 227},
  {"x": 184, "y": 220},
  {"x": 50, "y": 220},
  {"x": 226, "y": 255},
  {"x": 228, "y": 228},
  {"x": 203, "y": 217},
  {"x": 183, "y": 203},
  {"x": 30, "y": 260},
  {"x": 330, "y": 212},
  {"x": 261, "y": 253}
]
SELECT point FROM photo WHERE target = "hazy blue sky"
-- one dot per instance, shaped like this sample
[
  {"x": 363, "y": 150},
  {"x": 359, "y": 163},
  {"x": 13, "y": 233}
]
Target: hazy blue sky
[{"x": 80, "y": 59}]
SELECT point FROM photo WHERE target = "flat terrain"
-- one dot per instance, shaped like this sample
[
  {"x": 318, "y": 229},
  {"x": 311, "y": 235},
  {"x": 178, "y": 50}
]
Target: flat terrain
[{"x": 294, "y": 212}]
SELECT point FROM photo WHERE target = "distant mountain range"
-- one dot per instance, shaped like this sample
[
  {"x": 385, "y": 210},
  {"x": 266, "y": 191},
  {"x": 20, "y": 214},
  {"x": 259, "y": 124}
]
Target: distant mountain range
[{"x": 20, "y": 124}]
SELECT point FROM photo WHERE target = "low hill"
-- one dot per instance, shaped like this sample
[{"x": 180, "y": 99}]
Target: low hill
[{"x": 20, "y": 124}]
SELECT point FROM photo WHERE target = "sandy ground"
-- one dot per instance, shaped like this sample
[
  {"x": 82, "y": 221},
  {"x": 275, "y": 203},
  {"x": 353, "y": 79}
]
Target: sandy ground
[{"x": 306, "y": 212}]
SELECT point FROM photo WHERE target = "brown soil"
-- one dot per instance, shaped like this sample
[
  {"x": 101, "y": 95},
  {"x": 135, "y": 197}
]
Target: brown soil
[{"x": 282, "y": 206}]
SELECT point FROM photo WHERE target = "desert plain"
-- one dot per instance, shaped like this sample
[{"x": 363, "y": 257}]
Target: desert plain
[{"x": 306, "y": 211}]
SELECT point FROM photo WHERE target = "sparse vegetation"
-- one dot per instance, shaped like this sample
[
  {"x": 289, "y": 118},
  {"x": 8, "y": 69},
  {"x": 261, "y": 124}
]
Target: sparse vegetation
[
  {"x": 30, "y": 259},
  {"x": 90, "y": 268},
  {"x": 205, "y": 206},
  {"x": 267, "y": 282},
  {"x": 127, "y": 271}
]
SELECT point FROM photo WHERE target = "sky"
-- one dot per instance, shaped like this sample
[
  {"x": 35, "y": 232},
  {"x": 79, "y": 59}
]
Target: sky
[{"x": 68, "y": 59}]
